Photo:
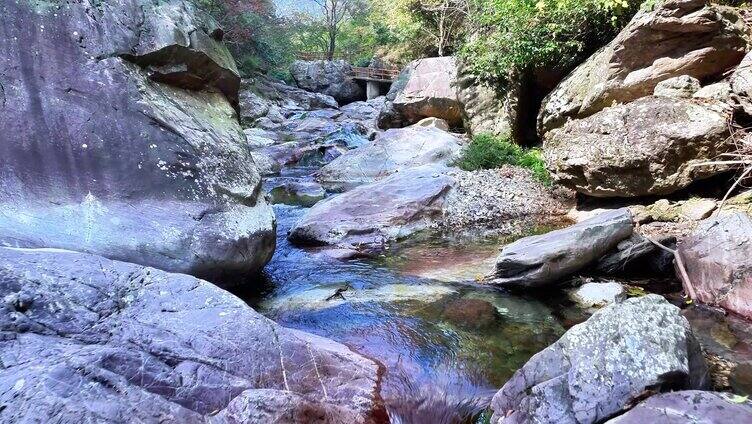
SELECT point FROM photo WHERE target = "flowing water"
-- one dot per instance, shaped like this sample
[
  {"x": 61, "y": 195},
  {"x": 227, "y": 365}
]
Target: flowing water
[{"x": 446, "y": 343}]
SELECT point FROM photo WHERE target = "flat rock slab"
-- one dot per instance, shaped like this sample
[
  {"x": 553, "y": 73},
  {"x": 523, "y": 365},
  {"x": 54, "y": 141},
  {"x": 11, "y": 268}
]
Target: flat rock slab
[
  {"x": 373, "y": 215},
  {"x": 546, "y": 259},
  {"x": 393, "y": 150},
  {"x": 689, "y": 406},
  {"x": 87, "y": 339},
  {"x": 603, "y": 365},
  {"x": 718, "y": 259}
]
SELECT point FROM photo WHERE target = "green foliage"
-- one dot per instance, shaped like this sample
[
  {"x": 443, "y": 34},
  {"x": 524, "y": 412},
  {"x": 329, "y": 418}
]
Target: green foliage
[
  {"x": 517, "y": 36},
  {"x": 487, "y": 151}
]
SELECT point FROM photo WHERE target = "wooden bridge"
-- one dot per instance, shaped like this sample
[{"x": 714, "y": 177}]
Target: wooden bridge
[{"x": 380, "y": 75}]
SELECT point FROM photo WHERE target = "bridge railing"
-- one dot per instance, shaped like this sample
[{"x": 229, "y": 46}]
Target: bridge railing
[{"x": 375, "y": 74}]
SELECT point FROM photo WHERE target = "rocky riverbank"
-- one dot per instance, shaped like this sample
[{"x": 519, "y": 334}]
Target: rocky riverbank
[{"x": 141, "y": 174}]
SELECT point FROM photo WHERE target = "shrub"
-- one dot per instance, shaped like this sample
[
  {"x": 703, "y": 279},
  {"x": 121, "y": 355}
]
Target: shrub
[
  {"x": 513, "y": 37},
  {"x": 487, "y": 151}
]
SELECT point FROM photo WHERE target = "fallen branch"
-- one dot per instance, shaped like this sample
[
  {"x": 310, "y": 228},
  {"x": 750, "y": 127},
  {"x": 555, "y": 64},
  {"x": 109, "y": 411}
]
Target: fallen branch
[{"x": 680, "y": 265}]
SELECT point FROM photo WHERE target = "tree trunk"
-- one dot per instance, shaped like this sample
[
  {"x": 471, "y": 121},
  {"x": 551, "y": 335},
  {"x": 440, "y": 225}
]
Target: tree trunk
[{"x": 332, "y": 45}]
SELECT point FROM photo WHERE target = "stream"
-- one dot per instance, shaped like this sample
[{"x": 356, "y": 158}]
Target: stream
[{"x": 445, "y": 343}]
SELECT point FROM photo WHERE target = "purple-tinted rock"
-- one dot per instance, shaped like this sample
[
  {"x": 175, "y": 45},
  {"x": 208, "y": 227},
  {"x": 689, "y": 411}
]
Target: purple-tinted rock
[
  {"x": 718, "y": 260},
  {"x": 690, "y": 406},
  {"x": 120, "y": 137},
  {"x": 87, "y": 339}
]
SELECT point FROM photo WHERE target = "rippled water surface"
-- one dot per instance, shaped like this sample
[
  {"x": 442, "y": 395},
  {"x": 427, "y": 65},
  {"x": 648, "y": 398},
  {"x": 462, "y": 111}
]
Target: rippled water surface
[{"x": 446, "y": 343}]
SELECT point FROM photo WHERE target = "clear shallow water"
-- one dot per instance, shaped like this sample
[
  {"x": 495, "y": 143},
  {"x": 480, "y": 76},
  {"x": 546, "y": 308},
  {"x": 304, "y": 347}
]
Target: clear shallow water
[{"x": 446, "y": 344}]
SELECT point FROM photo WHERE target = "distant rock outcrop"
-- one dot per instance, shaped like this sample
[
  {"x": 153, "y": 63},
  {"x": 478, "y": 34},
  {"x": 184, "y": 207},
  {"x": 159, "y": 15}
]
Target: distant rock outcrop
[
  {"x": 330, "y": 77},
  {"x": 425, "y": 88},
  {"x": 121, "y": 137}
]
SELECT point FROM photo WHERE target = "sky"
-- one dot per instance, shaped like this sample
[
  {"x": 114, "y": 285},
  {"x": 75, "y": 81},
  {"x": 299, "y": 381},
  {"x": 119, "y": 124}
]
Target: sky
[{"x": 285, "y": 7}]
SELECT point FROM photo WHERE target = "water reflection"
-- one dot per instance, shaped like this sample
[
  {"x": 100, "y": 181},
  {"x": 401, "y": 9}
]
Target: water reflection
[{"x": 446, "y": 346}]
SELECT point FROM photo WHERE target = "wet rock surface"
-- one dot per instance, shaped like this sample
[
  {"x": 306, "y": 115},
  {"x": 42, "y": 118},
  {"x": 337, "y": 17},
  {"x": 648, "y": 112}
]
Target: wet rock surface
[
  {"x": 122, "y": 114},
  {"x": 373, "y": 215},
  {"x": 118, "y": 342},
  {"x": 603, "y": 365},
  {"x": 542, "y": 260}
]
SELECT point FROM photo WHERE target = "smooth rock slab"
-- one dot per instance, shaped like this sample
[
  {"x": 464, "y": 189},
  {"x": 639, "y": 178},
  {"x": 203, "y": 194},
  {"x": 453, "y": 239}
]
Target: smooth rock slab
[
  {"x": 546, "y": 259},
  {"x": 603, "y": 365},
  {"x": 689, "y": 406},
  {"x": 113, "y": 113},
  {"x": 87, "y": 339},
  {"x": 718, "y": 260},
  {"x": 373, "y": 215},
  {"x": 392, "y": 151}
]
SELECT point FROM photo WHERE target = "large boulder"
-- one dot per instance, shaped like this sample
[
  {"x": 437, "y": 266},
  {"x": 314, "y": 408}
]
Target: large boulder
[
  {"x": 371, "y": 216},
  {"x": 677, "y": 37},
  {"x": 120, "y": 138},
  {"x": 688, "y": 406},
  {"x": 604, "y": 365},
  {"x": 718, "y": 261},
  {"x": 652, "y": 146},
  {"x": 87, "y": 339},
  {"x": 484, "y": 108},
  {"x": 392, "y": 151},
  {"x": 330, "y": 77},
  {"x": 543, "y": 260},
  {"x": 425, "y": 88}
]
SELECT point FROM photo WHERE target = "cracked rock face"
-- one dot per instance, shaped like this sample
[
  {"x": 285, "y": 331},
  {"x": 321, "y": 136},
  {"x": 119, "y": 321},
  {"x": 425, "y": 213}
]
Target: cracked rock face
[
  {"x": 678, "y": 37},
  {"x": 688, "y": 406},
  {"x": 87, "y": 339},
  {"x": 120, "y": 137},
  {"x": 547, "y": 259},
  {"x": 718, "y": 259},
  {"x": 603, "y": 365},
  {"x": 651, "y": 146}
]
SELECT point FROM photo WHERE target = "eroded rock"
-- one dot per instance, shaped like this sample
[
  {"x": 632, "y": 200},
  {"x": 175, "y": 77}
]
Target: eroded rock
[
  {"x": 392, "y": 151},
  {"x": 688, "y": 406},
  {"x": 117, "y": 342},
  {"x": 652, "y": 146},
  {"x": 676, "y": 37},
  {"x": 603, "y": 365},
  {"x": 718, "y": 260},
  {"x": 332, "y": 78},
  {"x": 122, "y": 139}
]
